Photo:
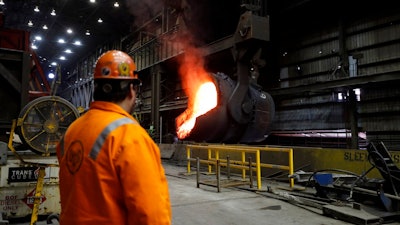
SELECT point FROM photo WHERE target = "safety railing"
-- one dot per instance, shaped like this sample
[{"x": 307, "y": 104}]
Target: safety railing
[{"x": 214, "y": 153}]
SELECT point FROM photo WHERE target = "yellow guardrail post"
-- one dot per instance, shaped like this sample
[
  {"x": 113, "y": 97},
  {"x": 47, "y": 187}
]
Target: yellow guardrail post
[
  {"x": 243, "y": 163},
  {"x": 188, "y": 158},
  {"x": 291, "y": 170},
  {"x": 258, "y": 169},
  {"x": 209, "y": 155},
  {"x": 216, "y": 156}
]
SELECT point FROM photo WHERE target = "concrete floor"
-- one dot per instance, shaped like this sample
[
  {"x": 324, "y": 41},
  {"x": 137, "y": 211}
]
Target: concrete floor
[{"x": 231, "y": 206}]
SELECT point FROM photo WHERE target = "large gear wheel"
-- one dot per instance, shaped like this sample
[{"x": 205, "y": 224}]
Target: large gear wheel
[{"x": 43, "y": 121}]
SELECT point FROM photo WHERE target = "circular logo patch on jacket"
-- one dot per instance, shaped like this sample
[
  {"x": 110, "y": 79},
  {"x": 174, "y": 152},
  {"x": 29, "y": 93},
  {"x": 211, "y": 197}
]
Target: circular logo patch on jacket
[{"x": 74, "y": 156}]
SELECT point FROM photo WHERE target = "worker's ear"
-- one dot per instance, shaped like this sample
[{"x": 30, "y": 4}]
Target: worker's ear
[{"x": 132, "y": 90}]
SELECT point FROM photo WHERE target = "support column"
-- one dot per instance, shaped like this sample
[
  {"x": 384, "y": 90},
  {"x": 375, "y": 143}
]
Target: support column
[
  {"x": 353, "y": 119},
  {"x": 155, "y": 100}
]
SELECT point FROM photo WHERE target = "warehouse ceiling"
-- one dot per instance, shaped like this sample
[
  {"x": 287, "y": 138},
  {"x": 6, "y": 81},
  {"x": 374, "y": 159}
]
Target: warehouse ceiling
[
  {"x": 75, "y": 28},
  {"x": 64, "y": 31}
]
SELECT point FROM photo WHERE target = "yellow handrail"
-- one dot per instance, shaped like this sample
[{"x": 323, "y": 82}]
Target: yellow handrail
[{"x": 242, "y": 149}]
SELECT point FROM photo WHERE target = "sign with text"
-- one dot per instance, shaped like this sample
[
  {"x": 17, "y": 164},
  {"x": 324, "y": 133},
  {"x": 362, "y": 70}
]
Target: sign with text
[
  {"x": 30, "y": 199},
  {"x": 22, "y": 174}
]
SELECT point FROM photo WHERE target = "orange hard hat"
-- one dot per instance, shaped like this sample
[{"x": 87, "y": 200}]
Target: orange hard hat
[{"x": 115, "y": 64}]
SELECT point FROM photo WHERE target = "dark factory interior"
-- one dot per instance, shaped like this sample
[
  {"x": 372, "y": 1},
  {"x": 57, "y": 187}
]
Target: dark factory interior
[
  {"x": 307, "y": 74},
  {"x": 306, "y": 98}
]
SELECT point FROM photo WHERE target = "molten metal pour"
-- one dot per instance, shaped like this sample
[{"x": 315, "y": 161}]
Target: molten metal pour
[
  {"x": 212, "y": 121},
  {"x": 204, "y": 100},
  {"x": 225, "y": 110}
]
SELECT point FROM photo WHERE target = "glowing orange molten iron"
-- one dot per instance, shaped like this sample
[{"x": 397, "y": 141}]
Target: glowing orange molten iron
[
  {"x": 221, "y": 109},
  {"x": 214, "y": 115},
  {"x": 204, "y": 100}
]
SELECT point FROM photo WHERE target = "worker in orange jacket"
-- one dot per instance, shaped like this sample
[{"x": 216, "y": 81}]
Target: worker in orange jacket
[{"x": 110, "y": 168}]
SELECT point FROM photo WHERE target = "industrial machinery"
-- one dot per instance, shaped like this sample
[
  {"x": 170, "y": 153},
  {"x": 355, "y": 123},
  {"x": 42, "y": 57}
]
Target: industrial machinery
[
  {"x": 28, "y": 165},
  {"x": 43, "y": 121},
  {"x": 219, "y": 125},
  {"x": 33, "y": 121},
  {"x": 244, "y": 112},
  {"x": 378, "y": 198},
  {"x": 29, "y": 172},
  {"x": 380, "y": 158}
]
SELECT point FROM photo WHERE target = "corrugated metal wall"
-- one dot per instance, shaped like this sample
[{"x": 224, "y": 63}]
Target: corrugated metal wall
[{"x": 320, "y": 69}]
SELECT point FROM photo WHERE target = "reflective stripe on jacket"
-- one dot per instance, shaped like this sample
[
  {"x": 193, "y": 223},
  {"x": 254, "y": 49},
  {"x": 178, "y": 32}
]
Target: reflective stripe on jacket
[{"x": 111, "y": 171}]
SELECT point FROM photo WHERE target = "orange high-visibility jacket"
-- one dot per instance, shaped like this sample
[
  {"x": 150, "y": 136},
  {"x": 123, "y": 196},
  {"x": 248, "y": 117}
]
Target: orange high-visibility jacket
[{"x": 111, "y": 171}]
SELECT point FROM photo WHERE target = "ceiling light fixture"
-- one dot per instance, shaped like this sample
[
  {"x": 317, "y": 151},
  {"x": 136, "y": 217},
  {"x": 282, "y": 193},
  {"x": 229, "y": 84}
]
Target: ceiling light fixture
[
  {"x": 116, "y": 4},
  {"x": 53, "y": 12},
  {"x": 1, "y": 2},
  {"x": 45, "y": 27},
  {"x": 100, "y": 20},
  {"x": 61, "y": 41},
  {"x": 77, "y": 43},
  {"x": 51, "y": 75},
  {"x": 69, "y": 31},
  {"x": 30, "y": 24},
  {"x": 36, "y": 9},
  {"x": 62, "y": 58},
  {"x": 93, "y": 1},
  {"x": 87, "y": 32},
  {"x": 68, "y": 51}
]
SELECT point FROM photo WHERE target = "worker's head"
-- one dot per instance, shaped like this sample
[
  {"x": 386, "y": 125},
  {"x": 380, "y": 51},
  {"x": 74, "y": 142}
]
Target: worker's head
[{"x": 114, "y": 75}]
